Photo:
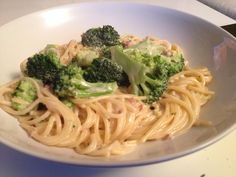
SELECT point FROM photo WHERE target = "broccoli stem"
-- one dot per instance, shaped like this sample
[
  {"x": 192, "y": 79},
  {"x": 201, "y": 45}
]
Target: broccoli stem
[
  {"x": 71, "y": 83},
  {"x": 144, "y": 81}
]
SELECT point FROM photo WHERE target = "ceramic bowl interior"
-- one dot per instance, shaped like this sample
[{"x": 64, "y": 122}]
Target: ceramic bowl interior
[{"x": 204, "y": 44}]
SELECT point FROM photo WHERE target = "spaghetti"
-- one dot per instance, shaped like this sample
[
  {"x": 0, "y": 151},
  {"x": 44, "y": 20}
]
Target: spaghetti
[{"x": 111, "y": 124}]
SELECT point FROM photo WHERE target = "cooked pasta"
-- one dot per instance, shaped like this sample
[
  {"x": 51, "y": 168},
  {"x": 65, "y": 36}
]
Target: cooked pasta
[{"x": 112, "y": 124}]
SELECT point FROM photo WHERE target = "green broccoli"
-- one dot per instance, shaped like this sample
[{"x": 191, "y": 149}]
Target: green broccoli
[
  {"x": 86, "y": 56},
  {"x": 99, "y": 37},
  {"x": 44, "y": 67},
  {"x": 175, "y": 63},
  {"x": 110, "y": 36},
  {"x": 146, "y": 49},
  {"x": 70, "y": 83},
  {"x": 145, "y": 80},
  {"x": 50, "y": 49},
  {"x": 105, "y": 70},
  {"x": 24, "y": 94}
]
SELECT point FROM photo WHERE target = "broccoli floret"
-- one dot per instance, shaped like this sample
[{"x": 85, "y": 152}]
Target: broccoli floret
[
  {"x": 44, "y": 67},
  {"x": 145, "y": 80},
  {"x": 175, "y": 63},
  {"x": 24, "y": 94},
  {"x": 98, "y": 37},
  {"x": 146, "y": 49},
  {"x": 92, "y": 37},
  {"x": 110, "y": 36},
  {"x": 85, "y": 57},
  {"x": 50, "y": 49},
  {"x": 70, "y": 83},
  {"x": 105, "y": 70}
]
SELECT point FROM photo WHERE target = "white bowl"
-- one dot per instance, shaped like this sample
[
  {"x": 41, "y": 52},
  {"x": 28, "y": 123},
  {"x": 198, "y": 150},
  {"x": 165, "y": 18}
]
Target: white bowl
[{"x": 200, "y": 40}]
